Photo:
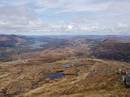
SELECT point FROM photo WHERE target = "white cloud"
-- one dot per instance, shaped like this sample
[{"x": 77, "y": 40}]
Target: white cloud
[
  {"x": 22, "y": 16},
  {"x": 84, "y": 8}
]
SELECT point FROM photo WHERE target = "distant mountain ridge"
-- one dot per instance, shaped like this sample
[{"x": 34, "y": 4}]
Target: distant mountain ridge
[{"x": 109, "y": 47}]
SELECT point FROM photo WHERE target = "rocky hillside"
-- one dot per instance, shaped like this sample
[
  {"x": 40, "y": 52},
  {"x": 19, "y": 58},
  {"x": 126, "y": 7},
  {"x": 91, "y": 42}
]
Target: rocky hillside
[{"x": 86, "y": 77}]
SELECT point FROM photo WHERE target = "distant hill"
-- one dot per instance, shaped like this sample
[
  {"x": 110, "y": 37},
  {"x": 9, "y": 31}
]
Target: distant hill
[
  {"x": 13, "y": 45},
  {"x": 113, "y": 48},
  {"x": 108, "y": 47},
  {"x": 11, "y": 40}
]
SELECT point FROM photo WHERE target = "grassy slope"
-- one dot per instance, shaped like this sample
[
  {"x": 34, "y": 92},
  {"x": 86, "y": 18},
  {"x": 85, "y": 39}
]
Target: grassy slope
[{"x": 98, "y": 80}]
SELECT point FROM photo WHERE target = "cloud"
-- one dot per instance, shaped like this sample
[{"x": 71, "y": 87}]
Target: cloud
[
  {"x": 63, "y": 16},
  {"x": 82, "y": 7}
]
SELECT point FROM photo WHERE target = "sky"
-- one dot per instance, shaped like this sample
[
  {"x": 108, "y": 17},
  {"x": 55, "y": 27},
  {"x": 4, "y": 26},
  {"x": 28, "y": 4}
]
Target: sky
[{"x": 59, "y": 17}]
